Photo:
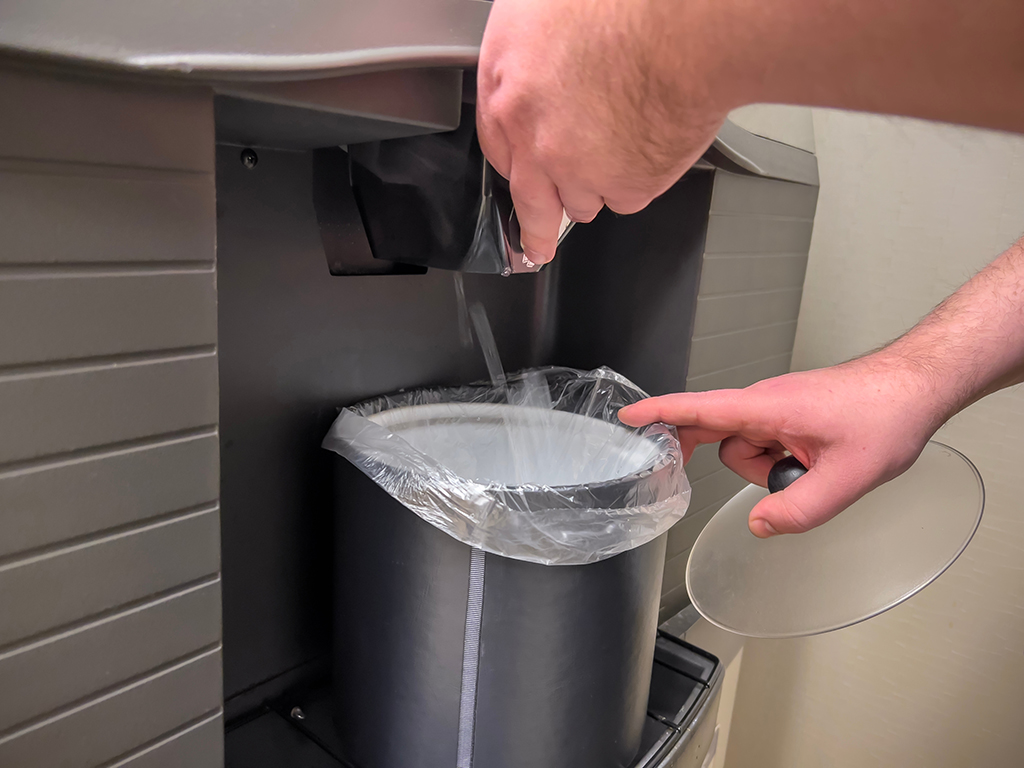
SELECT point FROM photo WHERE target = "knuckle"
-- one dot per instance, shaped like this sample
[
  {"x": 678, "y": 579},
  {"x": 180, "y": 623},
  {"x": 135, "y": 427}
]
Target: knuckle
[
  {"x": 581, "y": 217},
  {"x": 488, "y": 73},
  {"x": 581, "y": 212},
  {"x": 627, "y": 205},
  {"x": 558, "y": 159},
  {"x": 546, "y": 153}
]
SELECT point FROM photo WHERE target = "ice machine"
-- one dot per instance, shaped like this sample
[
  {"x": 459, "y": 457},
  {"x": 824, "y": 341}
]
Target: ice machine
[{"x": 188, "y": 291}]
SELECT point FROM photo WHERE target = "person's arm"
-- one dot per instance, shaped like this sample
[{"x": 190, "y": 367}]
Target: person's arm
[
  {"x": 583, "y": 103},
  {"x": 859, "y": 424}
]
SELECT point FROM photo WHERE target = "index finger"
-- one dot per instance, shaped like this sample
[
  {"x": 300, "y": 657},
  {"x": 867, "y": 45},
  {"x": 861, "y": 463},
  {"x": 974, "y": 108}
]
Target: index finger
[{"x": 723, "y": 410}]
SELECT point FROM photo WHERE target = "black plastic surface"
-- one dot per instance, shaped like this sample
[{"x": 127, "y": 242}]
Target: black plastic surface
[
  {"x": 420, "y": 197},
  {"x": 264, "y": 743},
  {"x": 317, "y": 706},
  {"x": 684, "y": 658},
  {"x": 565, "y": 653},
  {"x": 294, "y": 344},
  {"x": 400, "y": 620},
  {"x": 672, "y": 693},
  {"x": 638, "y": 322},
  {"x": 655, "y": 734},
  {"x": 269, "y": 741},
  {"x": 341, "y": 230},
  {"x": 565, "y": 663}
]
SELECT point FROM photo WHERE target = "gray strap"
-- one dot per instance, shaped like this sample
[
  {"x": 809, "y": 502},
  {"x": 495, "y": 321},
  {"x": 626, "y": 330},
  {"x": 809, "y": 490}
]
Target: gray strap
[{"x": 471, "y": 659}]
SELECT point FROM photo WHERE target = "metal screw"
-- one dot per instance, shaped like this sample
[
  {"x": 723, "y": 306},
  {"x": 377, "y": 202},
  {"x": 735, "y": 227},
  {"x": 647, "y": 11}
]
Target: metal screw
[
  {"x": 298, "y": 714},
  {"x": 249, "y": 158}
]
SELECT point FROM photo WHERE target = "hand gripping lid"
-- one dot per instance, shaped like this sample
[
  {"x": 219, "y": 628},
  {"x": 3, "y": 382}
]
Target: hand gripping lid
[{"x": 886, "y": 547}]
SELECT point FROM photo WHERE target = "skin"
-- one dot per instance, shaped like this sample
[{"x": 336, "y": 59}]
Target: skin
[
  {"x": 590, "y": 102},
  {"x": 578, "y": 112},
  {"x": 862, "y": 423},
  {"x": 608, "y": 102}
]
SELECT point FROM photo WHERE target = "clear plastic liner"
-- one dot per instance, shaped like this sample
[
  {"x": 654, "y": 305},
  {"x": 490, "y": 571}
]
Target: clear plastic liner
[{"x": 539, "y": 469}]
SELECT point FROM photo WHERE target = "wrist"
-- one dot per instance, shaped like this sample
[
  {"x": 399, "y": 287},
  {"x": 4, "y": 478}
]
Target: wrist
[
  {"x": 971, "y": 345},
  {"x": 930, "y": 387}
]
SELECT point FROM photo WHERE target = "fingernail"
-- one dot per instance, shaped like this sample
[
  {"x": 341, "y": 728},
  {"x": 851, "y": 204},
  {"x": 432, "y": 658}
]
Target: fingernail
[
  {"x": 537, "y": 257},
  {"x": 767, "y": 530}
]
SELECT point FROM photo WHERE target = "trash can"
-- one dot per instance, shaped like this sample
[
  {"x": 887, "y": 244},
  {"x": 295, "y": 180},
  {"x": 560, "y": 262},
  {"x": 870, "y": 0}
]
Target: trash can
[{"x": 499, "y": 562}]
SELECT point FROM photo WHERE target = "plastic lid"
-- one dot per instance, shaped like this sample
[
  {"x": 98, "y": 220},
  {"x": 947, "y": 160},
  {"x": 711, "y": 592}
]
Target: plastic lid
[{"x": 886, "y": 547}]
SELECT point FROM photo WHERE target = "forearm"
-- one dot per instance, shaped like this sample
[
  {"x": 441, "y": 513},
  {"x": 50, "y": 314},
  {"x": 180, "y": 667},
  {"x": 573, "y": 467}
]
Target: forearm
[
  {"x": 945, "y": 60},
  {"x": 971, "y": 345},
  {"x": 862, "y": 423},
  {"x": 583, "y": 104}
]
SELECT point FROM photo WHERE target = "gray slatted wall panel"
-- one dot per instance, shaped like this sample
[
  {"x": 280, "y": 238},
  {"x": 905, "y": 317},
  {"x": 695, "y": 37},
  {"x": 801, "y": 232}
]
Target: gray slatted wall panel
[
  {"x": 759, "y": 233},
  {"x": 110, "y": 614}
]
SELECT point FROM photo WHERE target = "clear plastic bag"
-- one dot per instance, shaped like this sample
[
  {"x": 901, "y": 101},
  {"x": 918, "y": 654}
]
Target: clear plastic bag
[{"x": 537, "y": 469}]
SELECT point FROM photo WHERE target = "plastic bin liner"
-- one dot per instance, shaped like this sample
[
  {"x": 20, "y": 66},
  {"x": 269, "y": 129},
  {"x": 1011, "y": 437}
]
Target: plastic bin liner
[{"x": 537, "y": 468}]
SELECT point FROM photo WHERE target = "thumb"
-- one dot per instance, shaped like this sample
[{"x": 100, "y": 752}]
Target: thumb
[{"x": 813, "y": 499}]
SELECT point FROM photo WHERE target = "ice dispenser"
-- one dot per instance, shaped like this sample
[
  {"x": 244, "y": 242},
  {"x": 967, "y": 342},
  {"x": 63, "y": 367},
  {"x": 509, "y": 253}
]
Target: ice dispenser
[
  {"x": 498, "y": 572},
  {"x": 435, "y": 201},
  {"x": 204, "y": 259}
]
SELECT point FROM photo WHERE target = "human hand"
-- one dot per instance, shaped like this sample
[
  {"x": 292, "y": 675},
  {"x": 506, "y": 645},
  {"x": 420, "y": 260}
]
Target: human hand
[
  {"x": 854, "y": 426},
  {"x": 582, "y": 104}
]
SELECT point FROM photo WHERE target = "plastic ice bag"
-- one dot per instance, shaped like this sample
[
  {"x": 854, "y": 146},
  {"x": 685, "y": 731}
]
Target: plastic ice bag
[{"x": 540, "y": 469}]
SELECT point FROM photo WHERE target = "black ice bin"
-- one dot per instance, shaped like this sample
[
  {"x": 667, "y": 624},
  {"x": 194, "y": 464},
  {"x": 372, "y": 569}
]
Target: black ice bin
[{"x": 499, "y": 564}]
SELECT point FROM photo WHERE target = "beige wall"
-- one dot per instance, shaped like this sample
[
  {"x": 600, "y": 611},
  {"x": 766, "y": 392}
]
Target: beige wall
[
  {"x": 907, "y": 212},
  {"x": 790, "y": 125}
]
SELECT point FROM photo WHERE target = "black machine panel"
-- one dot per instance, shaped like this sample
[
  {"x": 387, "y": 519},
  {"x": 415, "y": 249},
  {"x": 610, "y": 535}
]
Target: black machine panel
[{"x": 296, "y": 343}]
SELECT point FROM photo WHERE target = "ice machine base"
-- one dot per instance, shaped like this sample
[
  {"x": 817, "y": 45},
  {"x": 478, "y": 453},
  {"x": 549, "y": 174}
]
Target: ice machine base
[{"x": 297, "y": 729}]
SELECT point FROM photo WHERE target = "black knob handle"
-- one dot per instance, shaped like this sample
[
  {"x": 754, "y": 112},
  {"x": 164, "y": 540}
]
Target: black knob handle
[{"x": 784, "y": 473}]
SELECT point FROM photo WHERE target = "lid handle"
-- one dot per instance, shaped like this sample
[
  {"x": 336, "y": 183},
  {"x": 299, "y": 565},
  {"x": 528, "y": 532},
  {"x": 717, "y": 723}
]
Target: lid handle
[{"x": 784, "y": 473}]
